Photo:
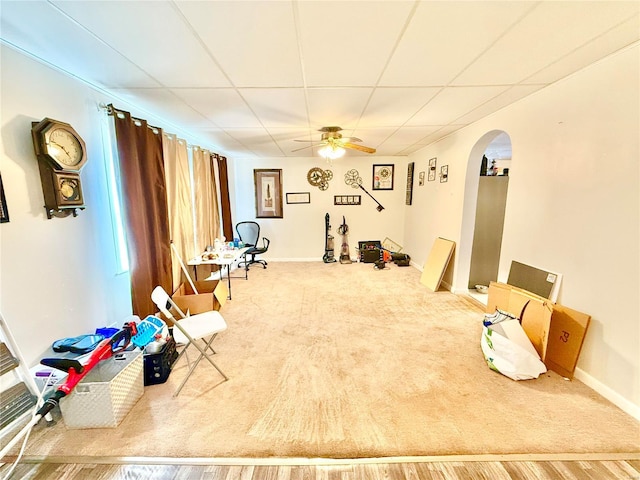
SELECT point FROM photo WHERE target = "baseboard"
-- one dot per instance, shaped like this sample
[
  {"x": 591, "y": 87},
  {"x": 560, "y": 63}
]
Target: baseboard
[
  {"x": 614, "y": 397},
  {"x": 311, "y": 259}
]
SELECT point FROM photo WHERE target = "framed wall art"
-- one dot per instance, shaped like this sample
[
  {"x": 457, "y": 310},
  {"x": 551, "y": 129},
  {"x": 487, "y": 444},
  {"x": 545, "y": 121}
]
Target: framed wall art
[
  {"x": 421, "y": 179},
  {"x": 432, "y": 169},
  {"x": 409, "y": 193},
  {"x": 444, "y": 173},
  {"x": 382, "y": 177},
  {"x": 4, "y": 211},
  {"x": 268, "y": 185},
  {"x": 347, "y": 199},
  {"x": 298, "y": 197}
]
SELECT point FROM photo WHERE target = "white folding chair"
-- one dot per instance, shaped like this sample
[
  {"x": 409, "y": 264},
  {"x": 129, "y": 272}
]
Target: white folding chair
[{"x": 189, "y": 329}]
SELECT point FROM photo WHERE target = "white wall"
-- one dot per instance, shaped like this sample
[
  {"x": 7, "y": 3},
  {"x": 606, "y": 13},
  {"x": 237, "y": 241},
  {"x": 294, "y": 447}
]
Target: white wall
[
  {"x": 300, "y": 234},
  {"x": 572, "y": 207},
  {"x": 58, "y": 277}
]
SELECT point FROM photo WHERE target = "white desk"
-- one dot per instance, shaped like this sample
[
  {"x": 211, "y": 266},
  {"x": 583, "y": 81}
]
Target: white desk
[{"x": 225, "y": 258}]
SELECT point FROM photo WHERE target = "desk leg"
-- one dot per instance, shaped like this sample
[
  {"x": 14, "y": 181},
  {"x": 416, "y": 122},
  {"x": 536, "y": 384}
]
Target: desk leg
[
  {"x": 195, "y": 272},
  {"x": 229, "y": 279}
]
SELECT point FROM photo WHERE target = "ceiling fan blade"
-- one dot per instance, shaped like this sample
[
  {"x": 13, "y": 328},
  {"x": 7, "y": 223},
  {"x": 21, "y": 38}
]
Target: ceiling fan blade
[
  {"x": 308, "y": 141},
  {"x": 308, "y": 146},
  {"x": 361, "y": 148},
  {"x": 349, "y": 139}
]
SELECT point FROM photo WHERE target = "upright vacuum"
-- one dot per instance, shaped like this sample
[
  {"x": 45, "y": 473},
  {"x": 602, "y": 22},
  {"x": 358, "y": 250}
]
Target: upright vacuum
[
  {"x": 344, "y": 250},
  {"x": 328, "y": 242}
]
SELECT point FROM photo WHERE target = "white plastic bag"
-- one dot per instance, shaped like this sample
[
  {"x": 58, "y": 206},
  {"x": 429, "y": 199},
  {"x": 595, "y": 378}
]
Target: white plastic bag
[{"x": 507, "y": 349}]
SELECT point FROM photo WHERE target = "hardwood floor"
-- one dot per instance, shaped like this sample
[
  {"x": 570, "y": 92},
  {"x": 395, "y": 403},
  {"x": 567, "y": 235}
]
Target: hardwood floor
[{"x": 614, "y": 469}]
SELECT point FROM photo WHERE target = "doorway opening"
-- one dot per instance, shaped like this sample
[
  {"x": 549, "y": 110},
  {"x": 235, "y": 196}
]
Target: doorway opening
[{"x": 491, "y": 184}]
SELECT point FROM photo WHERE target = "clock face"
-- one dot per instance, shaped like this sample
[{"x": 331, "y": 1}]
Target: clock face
[{"x": 64, "y": 147}]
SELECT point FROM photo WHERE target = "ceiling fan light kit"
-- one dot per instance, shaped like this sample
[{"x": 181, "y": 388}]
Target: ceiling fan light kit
[
  {"x": 331, "y": 152},
  {"x": 333, "y": 144}
]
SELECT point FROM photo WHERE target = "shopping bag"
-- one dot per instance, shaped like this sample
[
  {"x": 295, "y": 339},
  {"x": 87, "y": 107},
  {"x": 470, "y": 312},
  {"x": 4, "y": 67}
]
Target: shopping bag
[{"x": 507, "y": 349}]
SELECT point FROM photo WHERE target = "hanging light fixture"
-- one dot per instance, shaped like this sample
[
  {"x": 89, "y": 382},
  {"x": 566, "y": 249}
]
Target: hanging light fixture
[{"x": 331, "y": 152}]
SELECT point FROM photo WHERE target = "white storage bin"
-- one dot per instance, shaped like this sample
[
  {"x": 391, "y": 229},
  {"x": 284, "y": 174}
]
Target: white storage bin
[{"x": 106, "y": 395}]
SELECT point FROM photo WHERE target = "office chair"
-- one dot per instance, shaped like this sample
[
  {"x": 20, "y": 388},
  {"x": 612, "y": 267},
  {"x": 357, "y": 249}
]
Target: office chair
[
  {"x": 188, "y": 330},
  {"x": 249, "y": 233}
]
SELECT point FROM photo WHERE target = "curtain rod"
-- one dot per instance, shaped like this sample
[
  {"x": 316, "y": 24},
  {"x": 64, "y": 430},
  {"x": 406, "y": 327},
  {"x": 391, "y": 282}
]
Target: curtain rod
[{"x": 111, "y": 110}]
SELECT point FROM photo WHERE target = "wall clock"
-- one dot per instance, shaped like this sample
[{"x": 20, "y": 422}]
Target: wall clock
[{"x": 61, "y": 154}]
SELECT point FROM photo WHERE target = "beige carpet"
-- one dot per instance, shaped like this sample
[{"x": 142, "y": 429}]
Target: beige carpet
[{"x": 344, "y": 361}]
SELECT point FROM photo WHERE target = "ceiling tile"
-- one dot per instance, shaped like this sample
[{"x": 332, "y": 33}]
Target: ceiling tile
[
  {"x": 254, "y": 42},
  {"x": 395, "y": 106},
  {"x": 257, "y": 140},
  {"x": 453, "y": 102},
  {"x": 410, "y": 135},
  {"x": 373, "y": 137},
  {"x": 508, "y": 97},
  {"x": 164, "y": 45},
  {"x": 551, "y": 31},
  {"x": 288, "y": 138},
  {"x": 277, "y": 107},
  {"x": 624, "y": 34},
  {"x": 440, "y": 133},
  {"x": 223, "y": 106},
  {"x": 165, "y": 105},
  {"x": 224, "y": 143},
  {"x": 348, "y": 43},
  {"x": 77, "y": 51},
  {"x": 434, "y": 49},
  {"x": 336, "y": 106}
]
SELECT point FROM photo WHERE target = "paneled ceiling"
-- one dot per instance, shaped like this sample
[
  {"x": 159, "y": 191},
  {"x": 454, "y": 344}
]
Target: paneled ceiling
[{"x": 247, "y": 78}]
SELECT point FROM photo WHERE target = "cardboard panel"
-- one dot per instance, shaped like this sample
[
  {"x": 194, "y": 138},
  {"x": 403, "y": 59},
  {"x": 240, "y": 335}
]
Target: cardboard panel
[
  {"x": 566, "y": 336},
  {"x": 221, "y": 292},
  {"x": 436, "y": 264},
  {"x": 498, "y": 296},
  {"x": 535, "y": 319}
]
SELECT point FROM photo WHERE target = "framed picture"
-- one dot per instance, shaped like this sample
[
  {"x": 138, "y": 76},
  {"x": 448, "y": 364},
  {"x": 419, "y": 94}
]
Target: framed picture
[
  {"x": 421, "y": 179},
  {"x": 299, "y": 197},
  {"x": 383, "y": 177},
  {"x": 409, "y": 192},
  {"x": 444, "y": 173},
  {"x": 4, "y": 211},
  {"x": 347, "y": 199},
  {"x": 432, "y": 169},
  {"x": 268, "y": 185}
]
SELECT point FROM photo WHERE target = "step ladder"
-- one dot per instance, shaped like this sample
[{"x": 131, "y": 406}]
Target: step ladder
[{"x": 18, "y": 390}]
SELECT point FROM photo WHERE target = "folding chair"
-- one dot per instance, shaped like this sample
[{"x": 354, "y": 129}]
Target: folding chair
[{"x": 189, "y": 329}]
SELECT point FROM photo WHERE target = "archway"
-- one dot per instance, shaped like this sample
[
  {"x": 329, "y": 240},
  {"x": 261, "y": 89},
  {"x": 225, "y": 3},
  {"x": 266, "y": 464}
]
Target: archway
[{"x": 496, "y": 145}]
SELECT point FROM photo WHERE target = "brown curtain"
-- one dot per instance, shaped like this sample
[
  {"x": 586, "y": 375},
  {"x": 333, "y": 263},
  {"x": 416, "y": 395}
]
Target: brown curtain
[
  {"x": 178, "y": 181},
  {"x": 227, "y": 222},
  {"x": 144, "y": 203},
  {"x": 215, "y": 205}
]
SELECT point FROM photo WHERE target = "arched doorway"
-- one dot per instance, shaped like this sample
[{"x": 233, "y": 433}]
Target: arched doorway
[{"x": 483, "y": 214}]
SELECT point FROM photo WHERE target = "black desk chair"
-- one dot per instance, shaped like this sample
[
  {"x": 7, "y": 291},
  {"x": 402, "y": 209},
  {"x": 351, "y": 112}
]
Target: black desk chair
[{"x": 249, "y": 234}]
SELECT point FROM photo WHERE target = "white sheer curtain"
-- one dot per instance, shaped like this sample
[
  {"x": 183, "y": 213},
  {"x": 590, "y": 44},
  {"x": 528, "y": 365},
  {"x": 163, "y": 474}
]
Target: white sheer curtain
[{"x": 179, "y": 200}]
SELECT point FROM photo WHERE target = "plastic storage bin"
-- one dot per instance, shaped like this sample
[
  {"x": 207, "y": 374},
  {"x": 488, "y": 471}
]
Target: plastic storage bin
[
  {"x": 157, "y": 366},
  {"x": 106, "y": 395}
]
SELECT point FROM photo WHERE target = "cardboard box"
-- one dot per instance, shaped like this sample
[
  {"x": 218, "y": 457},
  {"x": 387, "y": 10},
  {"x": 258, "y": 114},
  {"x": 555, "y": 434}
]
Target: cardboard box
[
  {"x": 566, "y": 336},
  {"x": 212, "y": 294},
  {"x": 533, "y": 311}
]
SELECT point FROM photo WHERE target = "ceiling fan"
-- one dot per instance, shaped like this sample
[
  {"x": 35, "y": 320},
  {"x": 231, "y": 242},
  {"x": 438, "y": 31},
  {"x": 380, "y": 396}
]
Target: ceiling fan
[{"x": 332, "y": 143}]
